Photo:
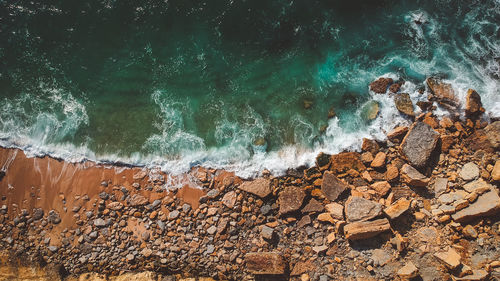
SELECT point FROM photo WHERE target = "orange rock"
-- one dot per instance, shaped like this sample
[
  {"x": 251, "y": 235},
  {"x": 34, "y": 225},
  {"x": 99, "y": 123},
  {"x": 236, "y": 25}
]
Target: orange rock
[
  {"x": 345, "y": 161},
  {"x": 431, "y": 121},
  {"x": 392, "y": 173},
  {"x": 379, "y": 160},
  {"x": 370, "y": 146},
  {"x": 397, "y": 134},
  {"x": 381, "y": 187}
]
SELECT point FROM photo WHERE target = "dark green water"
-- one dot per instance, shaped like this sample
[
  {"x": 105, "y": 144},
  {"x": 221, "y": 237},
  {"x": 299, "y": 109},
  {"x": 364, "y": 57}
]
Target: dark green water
[{"x": 181, "y": 83}]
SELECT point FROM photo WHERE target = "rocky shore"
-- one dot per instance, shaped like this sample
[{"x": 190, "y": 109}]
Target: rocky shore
[{"x": 422, "y": 205}]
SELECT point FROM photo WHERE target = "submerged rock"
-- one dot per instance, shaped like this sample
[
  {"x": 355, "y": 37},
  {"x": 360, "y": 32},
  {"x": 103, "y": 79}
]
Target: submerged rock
[
  {"x": 404, "y": 104},
  {"x": 370, "y": 110}
]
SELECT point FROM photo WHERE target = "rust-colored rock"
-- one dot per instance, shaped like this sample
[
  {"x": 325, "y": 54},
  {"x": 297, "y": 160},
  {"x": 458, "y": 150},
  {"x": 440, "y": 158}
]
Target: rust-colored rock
[
  {"x": 473, "y": 104},
  {"x": 291, "y": 199},
  {"x": 313, "y": 207},
  {"x": 366, "y": 229},
  {"x": 137, "y": 200},
  {"x": 379, "y": 160},
  {"x": 332, "y": 187},
  {"x": 265, "y": 263},
  {"x": 260, "y": 187},
  {"x": 413, "y": 177},
  {"x": 443, "y": 93},
  {"x": 380, "y": 85},
  {"x": 397, "y": 134},
  {"x": 381, "y": 187},
  {"x": 370, "y": 145},
  {"x": 398, "y": 208},
  {"x": 361, "y": 209},
  {"x": 345, "y": 161}
]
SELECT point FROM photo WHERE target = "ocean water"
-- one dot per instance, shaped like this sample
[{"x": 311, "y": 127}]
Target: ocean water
[{"x": 225, "y": 84}]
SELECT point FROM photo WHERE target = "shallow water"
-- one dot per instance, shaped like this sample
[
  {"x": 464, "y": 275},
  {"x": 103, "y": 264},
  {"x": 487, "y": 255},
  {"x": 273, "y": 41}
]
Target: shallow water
[{"x": 184, "y": 83}]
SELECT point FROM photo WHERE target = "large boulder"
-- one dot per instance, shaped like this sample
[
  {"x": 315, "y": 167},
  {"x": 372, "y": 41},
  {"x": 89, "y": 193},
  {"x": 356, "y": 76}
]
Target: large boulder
[
  {"x": 473, "y": 104},
  {"x": 404, "y": 104},
  {"x": 361, "y": 209},
  {"x": 265, "y": 263},
  {"x": 443, "y": 93},
  {"x": 332, "y": 187},
  {"x": 419, "y": 143},
  {"x": 380, "y": 85},
  {"x": 291, "y": 199},
  {"x": 260, "y": 187}
]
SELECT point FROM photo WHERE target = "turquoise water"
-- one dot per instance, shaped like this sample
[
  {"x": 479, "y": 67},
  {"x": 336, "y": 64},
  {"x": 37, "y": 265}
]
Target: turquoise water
[{"x": 225, "y": 83}]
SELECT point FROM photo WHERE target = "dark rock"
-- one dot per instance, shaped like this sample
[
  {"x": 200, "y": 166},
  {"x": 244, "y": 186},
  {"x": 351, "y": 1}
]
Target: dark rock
[
  {"x": 443, "y": 93},
  {"x": 493, "y": 133},
  {"x": 267, "y": 232},
  {"x": 38, "y": 213},
  {"x": 380, "y": 85},
  {"x": 103, "y": 195},
  {"x": 332, "y": 187},
  {"x": 290, "y": 199},
  {"x": 53, "y": 217},
  {"x": 419, "y": 144},
  {"x": 473, "y": 104}
]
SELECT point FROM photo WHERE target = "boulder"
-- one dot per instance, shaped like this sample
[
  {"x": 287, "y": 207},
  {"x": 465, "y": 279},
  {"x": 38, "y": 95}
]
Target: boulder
[
  {"x": 381, "y": 187},
  {"x": 53, "y": 217},
  {"x": 380, "y": 85},
  {"x": 493, "y": 134},
  {"x": 265, "y": 263},
  {"x": 302, "y": 267},
  {"x": 450, "y": 258},
  {"x": 478, "y": 186},
  {"x": 331, "y": 186},
  {"x": 267, "y": 232},
  {"x": 397, "y": 134},
  {"x": 260, "y": 187},
  {"x": 365, "y": 229},
  {"x": 313, "y": 207},
  {"x": 487, "y": 204},
  {"x": 473, "y": 104},
  {"x": 397, "y": 208},
  {"x": 361, "y": 209},
  {"x": 408, "y": 271},
  {"x": 404, "y": 104},
  {"x": 291, "y": 199},
  {"x": 477, "y": 275},
  {"x": 370, "y": 145},
  {"x": 379, "y": 160},
  {"x": 336, "y": 210},
  {"x": 469, "y": 171},
  {"x": 346, "y": 161},
  {"x": 419, "y": 143},
  {"x": 394, "y": 88},
  {"x": 413, "y": 177},
  {"x": 443, "y": 93},
  {"x": 38, "y": 213},
  {"x": 229, "y": 199}
]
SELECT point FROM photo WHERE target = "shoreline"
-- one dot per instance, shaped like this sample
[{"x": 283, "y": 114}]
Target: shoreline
[{"x": 422, "y": 203}]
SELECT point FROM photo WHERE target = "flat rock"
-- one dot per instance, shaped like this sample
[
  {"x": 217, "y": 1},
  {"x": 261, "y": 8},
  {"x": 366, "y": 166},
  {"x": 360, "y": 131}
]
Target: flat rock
[
  {"x": 477, "y": 275},
  {"x": 478, "y": 186},
  {"x": 115, "y": 206},
  {"x": 397, "y": 208},
  {"x": 361, "y": 209},
  {"x": 260, "y": 187},
  {"x": 380, "y": 85},
  {"x": 408, "y": 271},
  {"x": 229, "y": 199},
  {"x": 365, "y": 229},
  {"x": 487, "y": 204},
  {"x": 332, "y": 187},
  {"x": 440, "y": 185},
  {"x": 451, "y": 197},
  {"x": 291, "y": 199},
  {"x": 404, "y": 104},
  {"x": 380, "y": 257},
  {"x": 313, "y": 207},
  {"x": 381, "y": 187},
  {"x": 397, "y": 133},
  {"x": 413, "y": 177},
  {"x": 493, "y": 133},
  {"x": 419, "y": 143},
  {"x": 137, "y": 200},
  {"x": 469, "y": 171},
  {"x": 450, "y": 258},
  {"x": 336, "y": 210},
  {"x": 265, "y": 263}
]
